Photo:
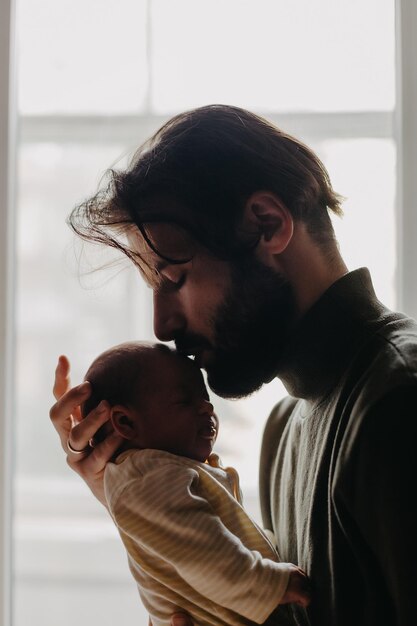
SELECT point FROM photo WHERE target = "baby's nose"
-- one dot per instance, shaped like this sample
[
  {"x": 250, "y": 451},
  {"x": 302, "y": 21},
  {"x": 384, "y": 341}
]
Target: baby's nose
[{"x": 206, "y": 407}]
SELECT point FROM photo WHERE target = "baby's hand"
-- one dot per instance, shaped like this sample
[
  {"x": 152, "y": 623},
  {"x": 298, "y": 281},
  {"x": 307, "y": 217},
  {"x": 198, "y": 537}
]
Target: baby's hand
[{"x": 298, "y": 588}]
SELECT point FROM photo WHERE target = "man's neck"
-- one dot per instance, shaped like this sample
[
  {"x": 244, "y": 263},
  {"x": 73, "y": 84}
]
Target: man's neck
[
  {"x": 328, "y": 335},
  {"x": 310, "y": 268}
]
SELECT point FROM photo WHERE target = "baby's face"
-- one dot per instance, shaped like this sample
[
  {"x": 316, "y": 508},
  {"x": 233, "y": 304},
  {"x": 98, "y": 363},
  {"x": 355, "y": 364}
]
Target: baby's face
[{"x": 176, "y": 415}]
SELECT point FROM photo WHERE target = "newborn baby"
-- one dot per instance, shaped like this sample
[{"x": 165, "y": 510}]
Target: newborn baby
[{"x": 191, "y": 546}]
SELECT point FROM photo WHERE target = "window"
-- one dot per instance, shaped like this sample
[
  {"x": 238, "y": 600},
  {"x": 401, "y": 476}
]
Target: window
[{"x": 96, "y": 79}]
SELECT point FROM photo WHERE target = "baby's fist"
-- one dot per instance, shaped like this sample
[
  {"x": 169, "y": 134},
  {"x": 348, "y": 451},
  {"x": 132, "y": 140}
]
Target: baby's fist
[{"x": 298, "y": 588}]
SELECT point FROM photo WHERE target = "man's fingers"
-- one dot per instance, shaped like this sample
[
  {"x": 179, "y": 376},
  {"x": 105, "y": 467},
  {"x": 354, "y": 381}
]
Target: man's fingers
[
  {"x": 106, "y": 449},
  {"x": 76, "y": 432},
  {"x": 181, "y": 619},
  {"x": 62, "y": 377},
  {"x": 91, "y": 466},
  {"x": 85, "y": 430},
  {"x": 95, "y": 462},
  {"x": 67, "y": 406}
]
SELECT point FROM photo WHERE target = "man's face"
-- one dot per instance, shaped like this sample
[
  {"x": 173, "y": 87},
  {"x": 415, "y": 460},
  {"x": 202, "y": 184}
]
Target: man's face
[{"x": 234, "y": 317}]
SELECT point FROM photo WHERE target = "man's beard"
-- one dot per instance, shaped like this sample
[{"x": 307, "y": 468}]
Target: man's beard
[{"x": 250, "y": 328}]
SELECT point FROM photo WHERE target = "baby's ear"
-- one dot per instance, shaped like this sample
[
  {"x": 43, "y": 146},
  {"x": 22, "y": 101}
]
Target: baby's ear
[{"x": 123, "y": 421}]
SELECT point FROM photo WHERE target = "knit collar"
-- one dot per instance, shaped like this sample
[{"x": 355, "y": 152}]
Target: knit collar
[{"x": 326, "y": 338}]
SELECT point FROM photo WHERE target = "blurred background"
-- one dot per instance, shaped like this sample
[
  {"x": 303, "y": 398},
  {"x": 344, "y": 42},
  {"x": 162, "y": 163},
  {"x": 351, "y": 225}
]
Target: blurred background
[{"x": 94, "y": 79}]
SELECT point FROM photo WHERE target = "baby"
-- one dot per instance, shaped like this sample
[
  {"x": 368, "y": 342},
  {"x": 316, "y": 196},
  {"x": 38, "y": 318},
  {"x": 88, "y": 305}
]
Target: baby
[{"x": 191, "y": 546}]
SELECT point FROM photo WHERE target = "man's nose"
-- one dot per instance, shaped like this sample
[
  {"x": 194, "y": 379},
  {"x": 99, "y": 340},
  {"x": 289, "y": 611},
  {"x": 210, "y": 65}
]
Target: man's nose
[{"x": 168, "y": 319}]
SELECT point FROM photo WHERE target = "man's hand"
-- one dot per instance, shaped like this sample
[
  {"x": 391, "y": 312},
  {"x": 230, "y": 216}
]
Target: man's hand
[
  {"x": 181, "y": 619},
  {"x": 298, "y": 588},
  {"x": 75, "y": 432}
]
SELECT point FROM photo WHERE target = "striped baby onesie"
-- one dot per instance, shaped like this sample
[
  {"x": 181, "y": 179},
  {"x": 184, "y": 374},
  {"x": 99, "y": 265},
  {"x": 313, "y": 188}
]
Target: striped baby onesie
[{"x": 191, "y": 546}]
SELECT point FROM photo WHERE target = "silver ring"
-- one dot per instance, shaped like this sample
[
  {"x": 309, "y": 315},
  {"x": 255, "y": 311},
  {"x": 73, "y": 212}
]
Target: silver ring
[{"x": 71, "y": 449}]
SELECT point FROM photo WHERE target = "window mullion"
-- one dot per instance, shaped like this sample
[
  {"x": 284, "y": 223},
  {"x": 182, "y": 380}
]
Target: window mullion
[
  {"x": 406, "y": 127},
  {"x": 120, "y": 129},
  {"x": 7, "y": 143}
]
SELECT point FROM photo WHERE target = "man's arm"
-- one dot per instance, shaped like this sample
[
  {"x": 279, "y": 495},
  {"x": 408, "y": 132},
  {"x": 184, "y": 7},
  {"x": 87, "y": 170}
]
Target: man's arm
[
  {"x": 378, "y": 476},
  {"x": 272, "y": 434}
]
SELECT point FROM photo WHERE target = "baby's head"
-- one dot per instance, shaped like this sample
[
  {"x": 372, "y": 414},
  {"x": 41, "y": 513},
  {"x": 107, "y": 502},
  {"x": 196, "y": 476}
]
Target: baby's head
[{"x": 158, "y": 399}]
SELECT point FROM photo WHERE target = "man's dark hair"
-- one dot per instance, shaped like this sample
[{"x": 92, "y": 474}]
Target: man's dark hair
[{"x": 198, "y": 171}]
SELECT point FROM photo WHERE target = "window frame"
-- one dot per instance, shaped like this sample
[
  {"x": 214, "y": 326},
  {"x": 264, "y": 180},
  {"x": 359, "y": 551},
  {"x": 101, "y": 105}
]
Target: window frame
[
  {"x": 7, "y": 265},
  {"x": 406, "y": 140}
]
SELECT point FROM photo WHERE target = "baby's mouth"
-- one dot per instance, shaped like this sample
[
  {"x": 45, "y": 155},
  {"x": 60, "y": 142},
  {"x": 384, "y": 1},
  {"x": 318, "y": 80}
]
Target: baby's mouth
[{"x": 208, "y": 430}]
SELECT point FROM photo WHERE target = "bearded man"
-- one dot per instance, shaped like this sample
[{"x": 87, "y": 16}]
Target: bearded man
[{"x": 228, "y": 220}]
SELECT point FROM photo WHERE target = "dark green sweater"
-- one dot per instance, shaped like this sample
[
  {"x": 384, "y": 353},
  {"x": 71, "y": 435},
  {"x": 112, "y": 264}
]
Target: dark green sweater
[{"x": 338, "y": 464}]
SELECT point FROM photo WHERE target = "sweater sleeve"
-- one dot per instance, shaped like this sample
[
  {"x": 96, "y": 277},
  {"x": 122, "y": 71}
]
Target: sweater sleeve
[
  {"x": 162, "y": 512},
  {"x": 379, "y": 490}
]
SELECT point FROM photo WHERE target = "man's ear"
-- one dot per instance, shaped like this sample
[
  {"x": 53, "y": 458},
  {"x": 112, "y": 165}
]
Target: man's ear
[
  {"x": 123, "y": 421},
  {"x": 266, "y": 215}
]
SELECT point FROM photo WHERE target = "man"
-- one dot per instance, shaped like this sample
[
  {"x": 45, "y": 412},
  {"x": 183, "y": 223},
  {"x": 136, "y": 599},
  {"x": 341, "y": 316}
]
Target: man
[{"x": 227, "y": 219}]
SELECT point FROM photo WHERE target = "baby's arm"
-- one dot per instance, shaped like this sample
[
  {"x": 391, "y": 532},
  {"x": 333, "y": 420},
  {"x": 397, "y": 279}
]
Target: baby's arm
[{"x": 164, "y": 513}]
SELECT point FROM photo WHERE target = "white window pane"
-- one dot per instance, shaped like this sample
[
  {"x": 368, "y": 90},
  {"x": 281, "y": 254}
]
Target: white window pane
[
  {"x": 69, "y": 563},
  {"x": 55, "y": 313},
  {"x": 274, "y": 55},
  {"x": 81, "y": 57},
  {"x": 363, "y": 170}
]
